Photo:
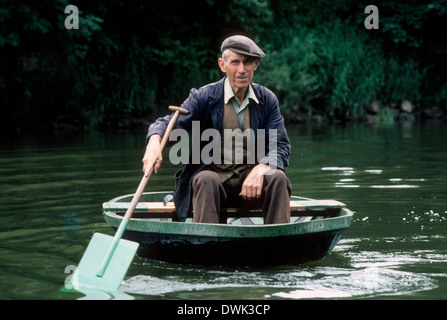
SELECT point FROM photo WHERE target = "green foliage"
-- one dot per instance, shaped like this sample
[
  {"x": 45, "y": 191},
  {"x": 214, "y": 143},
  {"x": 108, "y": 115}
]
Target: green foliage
[
  {"x": 291, "y": 71},
  {"x": 334, "y": 66},
  {"x": 403, "y": 81},
  {"x": 131, "y": 59},
  {"x": 329, "y": 67}
]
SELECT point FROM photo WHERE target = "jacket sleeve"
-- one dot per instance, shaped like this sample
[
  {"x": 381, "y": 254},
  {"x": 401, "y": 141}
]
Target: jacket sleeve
[{"x": 277, "y": 141}]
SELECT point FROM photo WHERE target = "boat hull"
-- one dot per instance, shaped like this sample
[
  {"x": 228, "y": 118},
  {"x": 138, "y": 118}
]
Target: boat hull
[{"x": 235, "y": 252}]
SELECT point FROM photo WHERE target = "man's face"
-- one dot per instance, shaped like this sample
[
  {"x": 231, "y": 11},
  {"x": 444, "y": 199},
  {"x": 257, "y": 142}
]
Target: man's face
[{"x": 239, "y": 69}]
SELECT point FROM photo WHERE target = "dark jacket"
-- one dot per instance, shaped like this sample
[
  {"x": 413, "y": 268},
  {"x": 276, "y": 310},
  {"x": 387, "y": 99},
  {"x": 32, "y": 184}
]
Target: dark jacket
[{"x": 206, "y": 105}]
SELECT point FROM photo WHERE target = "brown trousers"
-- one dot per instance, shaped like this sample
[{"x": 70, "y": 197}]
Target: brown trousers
[{"x": 210, "y": 195}]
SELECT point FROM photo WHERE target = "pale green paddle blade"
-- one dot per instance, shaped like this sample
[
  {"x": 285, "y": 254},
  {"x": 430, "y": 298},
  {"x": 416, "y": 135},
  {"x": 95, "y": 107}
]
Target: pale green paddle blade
[{"x": 85, "y": 276}]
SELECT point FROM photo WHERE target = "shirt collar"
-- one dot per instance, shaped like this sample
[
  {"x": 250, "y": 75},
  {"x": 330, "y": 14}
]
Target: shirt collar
[{"x": 228, "y": 93}]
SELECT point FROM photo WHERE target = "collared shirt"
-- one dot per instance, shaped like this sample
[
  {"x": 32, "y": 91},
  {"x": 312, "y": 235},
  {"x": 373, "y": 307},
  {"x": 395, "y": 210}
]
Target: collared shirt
[{"x": 239, "y": 108}]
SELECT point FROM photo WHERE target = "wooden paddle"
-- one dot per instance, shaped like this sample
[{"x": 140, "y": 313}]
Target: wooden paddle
[{"x": 105, "y": 272}]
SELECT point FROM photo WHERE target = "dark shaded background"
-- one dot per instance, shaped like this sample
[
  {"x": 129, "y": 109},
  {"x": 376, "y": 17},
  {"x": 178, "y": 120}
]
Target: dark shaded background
[{"x": 129, "y": 60}]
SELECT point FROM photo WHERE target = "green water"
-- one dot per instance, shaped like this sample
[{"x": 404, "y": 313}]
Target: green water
[{"x": 392, "y": 177}]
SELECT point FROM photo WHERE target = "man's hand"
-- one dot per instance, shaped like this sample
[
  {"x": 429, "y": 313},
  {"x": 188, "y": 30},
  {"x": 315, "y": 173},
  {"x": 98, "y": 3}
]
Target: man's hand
[
  {"x": 252, "y": 186},
  {"x": 152, "y": 157}
]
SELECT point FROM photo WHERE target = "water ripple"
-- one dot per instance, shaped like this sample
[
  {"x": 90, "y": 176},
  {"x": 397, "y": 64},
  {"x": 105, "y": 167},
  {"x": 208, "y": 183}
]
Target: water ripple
[
  {"x": 366, "y": 282},
  {"x": 305, "y": 283}
]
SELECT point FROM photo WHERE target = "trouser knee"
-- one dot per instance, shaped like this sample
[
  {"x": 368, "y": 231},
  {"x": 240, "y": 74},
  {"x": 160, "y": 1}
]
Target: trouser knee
[
  {"x": 206, "y": 179},
  {"x": 278, "y": 180},
  {"x": 207, "y": 197}
]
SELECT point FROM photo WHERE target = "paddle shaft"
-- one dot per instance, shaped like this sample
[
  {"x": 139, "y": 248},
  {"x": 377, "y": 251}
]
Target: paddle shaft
[{"x": 137, "y": 195}]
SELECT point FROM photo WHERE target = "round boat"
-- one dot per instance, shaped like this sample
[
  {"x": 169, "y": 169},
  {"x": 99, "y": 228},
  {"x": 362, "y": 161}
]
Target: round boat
[{"x": 242, "y": 240}]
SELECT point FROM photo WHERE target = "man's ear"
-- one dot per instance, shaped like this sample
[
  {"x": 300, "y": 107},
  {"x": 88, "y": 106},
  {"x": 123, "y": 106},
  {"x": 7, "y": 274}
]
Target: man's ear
[
  {"x": 221, "y": 63},
  {"x": 257, "y": 62}
]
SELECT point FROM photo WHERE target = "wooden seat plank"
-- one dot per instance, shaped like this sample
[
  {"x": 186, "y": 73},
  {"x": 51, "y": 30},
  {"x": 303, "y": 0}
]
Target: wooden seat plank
[{"x": 298, "y": 208}]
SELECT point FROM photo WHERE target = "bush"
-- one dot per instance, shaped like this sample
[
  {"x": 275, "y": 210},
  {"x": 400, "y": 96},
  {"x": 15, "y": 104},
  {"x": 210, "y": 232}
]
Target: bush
[{"x": 336, "y": 70}]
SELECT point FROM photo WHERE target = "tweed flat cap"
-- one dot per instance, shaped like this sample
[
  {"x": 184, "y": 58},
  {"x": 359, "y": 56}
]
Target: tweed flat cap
[{"x": 242, "y": 45}]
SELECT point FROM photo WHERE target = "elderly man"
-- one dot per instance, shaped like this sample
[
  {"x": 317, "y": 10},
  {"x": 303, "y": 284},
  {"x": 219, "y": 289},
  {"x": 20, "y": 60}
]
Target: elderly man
[{"x": 232, "y": 103}]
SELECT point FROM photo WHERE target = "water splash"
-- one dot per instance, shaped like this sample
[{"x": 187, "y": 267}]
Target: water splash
[
  {"x": 372, "y": 275},
  {"x": 366, "y": 282}
]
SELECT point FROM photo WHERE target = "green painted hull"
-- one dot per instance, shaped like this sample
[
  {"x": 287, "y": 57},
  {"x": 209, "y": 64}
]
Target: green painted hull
[{"x": 255, "y": 245}]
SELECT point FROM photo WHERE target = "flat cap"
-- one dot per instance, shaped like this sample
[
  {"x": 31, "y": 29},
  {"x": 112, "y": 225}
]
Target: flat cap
[{"x": 242, "y": 45}]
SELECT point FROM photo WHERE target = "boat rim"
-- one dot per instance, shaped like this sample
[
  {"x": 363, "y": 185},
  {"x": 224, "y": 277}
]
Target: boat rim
[{"x": 341, "y": 221}]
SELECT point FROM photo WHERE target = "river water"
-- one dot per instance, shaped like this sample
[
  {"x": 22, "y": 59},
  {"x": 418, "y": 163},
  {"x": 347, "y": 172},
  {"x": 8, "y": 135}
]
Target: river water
[{"x": 393, "y": 177}]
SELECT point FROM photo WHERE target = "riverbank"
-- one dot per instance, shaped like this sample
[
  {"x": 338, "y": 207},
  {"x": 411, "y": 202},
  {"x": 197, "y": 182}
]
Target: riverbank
[{"x": 375, "y": 113}]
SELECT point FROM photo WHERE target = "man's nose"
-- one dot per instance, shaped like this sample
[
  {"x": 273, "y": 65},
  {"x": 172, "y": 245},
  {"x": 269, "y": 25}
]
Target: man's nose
[{"x": 241, "y": 68}]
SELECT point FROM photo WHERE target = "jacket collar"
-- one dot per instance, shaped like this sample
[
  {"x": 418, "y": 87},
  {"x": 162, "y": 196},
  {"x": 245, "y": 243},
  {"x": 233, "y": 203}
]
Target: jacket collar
[{"x": 217, "y": 105}]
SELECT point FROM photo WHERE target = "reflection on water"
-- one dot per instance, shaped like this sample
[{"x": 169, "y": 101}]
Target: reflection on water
[
  {"x": 393, "y": 178},
  {"x": 347, "y": 273},
  {"x": 339, "y": 283},
  {"x": 350, "y": 182},
  {"x": 301, "y": 283}
]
